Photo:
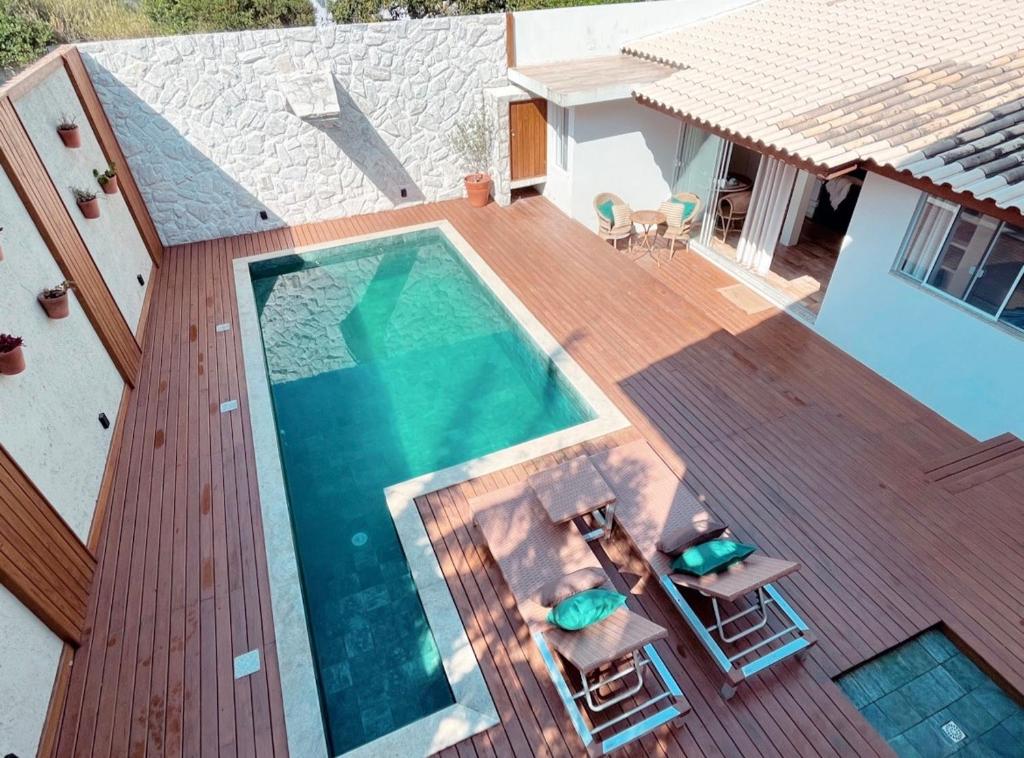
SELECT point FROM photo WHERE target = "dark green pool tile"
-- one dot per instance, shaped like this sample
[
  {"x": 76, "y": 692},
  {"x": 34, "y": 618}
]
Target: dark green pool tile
[
  {"x": 938, "y": 645},
  {"x": 871, "y": 680},
  {"x": 998, "y": 742},
  {"x": 981, "y": 709},
  {"x": 904, "y": 748},
  {"x": 963, "y": 669},
  {"x": 896, "y": 713},
  {"x": 856, "y": 691},
  {"x": 1014, "y": 725},
  {"x": 932, "y": 691}
]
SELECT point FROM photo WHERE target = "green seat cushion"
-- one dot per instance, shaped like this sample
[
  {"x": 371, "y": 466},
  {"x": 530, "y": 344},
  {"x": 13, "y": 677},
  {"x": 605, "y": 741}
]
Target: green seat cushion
[
  {"x": 605, "y": 209},
  {"x": 688, "y": 206},
  {"x": 585, "y": 608},
  {"x": 711, "y": 556}
]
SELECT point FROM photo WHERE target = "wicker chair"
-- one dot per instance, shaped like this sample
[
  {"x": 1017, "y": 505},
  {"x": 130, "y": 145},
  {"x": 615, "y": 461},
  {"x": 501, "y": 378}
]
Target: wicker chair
[
  {"x": 606, "y": 229},
  {"x": 681, "y": 233},
  {"x": 732, "y": 211}
]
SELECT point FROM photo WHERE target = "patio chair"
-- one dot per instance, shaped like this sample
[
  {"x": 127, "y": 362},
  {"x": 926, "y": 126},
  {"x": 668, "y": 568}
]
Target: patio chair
[
  {"x": 651, "y": 503},
  {"x": 612, "y": 229},
  {"x": 680, "y": 213},
  {"x": 732, "y": 212},
  {"x": 610, "y": 701}
]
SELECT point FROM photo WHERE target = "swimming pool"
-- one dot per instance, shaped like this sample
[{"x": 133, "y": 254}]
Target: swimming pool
[{"x": 388, "y": 359}]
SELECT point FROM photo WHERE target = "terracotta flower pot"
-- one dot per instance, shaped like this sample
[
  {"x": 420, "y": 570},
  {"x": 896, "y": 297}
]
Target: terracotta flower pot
[
  {"x": 478, "y": 189},
  {"x": 70, "y": 137},
  {"x": 12, "y": 362},
  {"x": 90, "y": 208},
  {"x": 55, "y": 307},
  {"x": 111, "y": 186}
]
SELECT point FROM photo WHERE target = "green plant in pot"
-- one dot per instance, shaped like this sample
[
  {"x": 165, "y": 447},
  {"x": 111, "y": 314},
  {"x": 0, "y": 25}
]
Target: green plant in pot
[
  {"x": 12, "y": 358},
  {"x": 55, "y": 300},
  {"x": 87, "y": 202},
  {"x": 107, "y": 179},
  {"x": 68, "y": 131},
  {"x": 473, "y": 140}
]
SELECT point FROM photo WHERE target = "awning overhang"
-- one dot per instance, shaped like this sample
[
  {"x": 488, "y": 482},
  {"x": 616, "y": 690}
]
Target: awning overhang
[{"x": 588, "y": 80}]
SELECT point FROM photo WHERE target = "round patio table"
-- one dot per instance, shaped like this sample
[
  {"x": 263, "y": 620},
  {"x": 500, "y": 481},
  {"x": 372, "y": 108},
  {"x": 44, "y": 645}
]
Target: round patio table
[{"x": 648, "y": 222}]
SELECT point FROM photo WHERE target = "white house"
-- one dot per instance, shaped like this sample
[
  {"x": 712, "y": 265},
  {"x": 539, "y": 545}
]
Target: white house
[{"x": 870, "y": 182}]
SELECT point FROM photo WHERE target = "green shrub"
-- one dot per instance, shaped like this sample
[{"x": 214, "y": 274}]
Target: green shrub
[
  {"x": 196, "y": 16},
  {"x": 83, "y": 20},
  {"x": 22, "y": 38}
]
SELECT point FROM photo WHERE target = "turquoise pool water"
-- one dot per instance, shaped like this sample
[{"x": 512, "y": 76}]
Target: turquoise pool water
[
  {"x": 387, "y": 359},
  {"x": 928, "y": 699}
]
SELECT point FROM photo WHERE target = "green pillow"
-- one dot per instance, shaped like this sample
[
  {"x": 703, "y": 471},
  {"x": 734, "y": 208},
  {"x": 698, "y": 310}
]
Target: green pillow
[
  {"x": 711, "y": 556},
  {"x": 585, "y": 608},
  {"x": 688, "y": 206},
  {"x": 605, "y": 209}
]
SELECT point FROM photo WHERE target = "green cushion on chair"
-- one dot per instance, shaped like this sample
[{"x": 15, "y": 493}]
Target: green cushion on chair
[
  {"x": 605, "y": 209},
  {"x": 688, "y": 206},
  {"x": 585, "y": 608},
  {"x": 711, "y": 556}
]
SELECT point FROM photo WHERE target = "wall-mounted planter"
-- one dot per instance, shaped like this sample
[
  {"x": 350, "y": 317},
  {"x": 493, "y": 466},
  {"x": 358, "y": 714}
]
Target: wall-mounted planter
[
  {"x": 110, "y": 185},
  {"x": 56, "y": 306},
  {"x": 90, "y": 208},
  {"x": 1, "y": 246},
  {"x": 12, "y": 357},
  {"x": 107, "y": 179},
  {"x": 70, "y": 135}
]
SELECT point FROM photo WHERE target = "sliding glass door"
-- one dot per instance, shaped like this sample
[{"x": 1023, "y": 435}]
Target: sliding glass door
[{"x": 700, "y": 169}]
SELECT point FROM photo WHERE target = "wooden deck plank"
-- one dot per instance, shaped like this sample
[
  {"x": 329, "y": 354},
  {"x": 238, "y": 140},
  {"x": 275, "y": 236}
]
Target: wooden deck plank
[{"x": 800, "y": 448}]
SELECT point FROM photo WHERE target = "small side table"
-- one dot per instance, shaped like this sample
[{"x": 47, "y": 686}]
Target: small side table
[
  {"x": 648, "y": 221},
  {"x": 575, "y": 489}
]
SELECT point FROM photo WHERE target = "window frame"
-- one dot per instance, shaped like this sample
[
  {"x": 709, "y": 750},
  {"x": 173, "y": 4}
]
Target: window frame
[{"x": 935, "y": 256}]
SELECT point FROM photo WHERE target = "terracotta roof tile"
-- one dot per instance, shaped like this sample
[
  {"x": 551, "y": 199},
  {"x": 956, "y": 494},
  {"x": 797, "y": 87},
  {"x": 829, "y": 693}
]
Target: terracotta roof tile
[{"x": 902, "y": 83}]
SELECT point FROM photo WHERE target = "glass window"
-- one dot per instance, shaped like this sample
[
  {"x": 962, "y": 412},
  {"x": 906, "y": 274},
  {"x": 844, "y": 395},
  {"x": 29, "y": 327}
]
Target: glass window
[
  {"x": 926, "y": 236},
  {"x": 969, "y": 256},
  {"x": 999, "y": 272}
]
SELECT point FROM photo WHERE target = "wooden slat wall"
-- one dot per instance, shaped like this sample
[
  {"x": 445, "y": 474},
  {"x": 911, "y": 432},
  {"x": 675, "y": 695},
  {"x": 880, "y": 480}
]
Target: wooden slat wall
[
  {"x": 112, "y": 150},
  {"x": 42, "y": 562},
  {"x": 30, "y": 179}
]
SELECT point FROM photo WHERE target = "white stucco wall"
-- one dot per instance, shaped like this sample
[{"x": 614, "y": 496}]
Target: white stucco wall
[
  {"x": 113, "y": 239},
  {"x": 619, "y": 147},
  {"x": 48, "y": 413},
  {"x": 205, "y": 124},
  {"x": 29, "y": 653},
  {"x": 563, "y": 33},
  {"x": 963, "y": 367}
]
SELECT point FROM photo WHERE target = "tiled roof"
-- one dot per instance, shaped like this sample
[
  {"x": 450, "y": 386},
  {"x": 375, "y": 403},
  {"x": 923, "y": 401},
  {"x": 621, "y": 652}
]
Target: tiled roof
[{"x": 930, "y": 88}]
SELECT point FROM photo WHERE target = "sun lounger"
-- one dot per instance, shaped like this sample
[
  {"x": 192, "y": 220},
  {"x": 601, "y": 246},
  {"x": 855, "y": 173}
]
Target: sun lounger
[
  {"x": 609, "y": 662},
  {"x": 650, "y": 502}
]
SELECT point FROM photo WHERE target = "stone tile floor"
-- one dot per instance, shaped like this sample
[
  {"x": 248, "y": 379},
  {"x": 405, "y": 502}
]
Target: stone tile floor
[{"x": 929, "y": 699}]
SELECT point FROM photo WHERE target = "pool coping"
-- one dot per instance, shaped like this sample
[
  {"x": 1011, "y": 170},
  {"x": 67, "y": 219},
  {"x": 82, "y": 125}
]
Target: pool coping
[{"x": 473, "y": 710}]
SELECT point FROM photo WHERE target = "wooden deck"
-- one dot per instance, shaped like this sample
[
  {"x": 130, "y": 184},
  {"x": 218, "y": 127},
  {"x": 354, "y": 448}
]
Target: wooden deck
[{"x": 807, "y": 453}]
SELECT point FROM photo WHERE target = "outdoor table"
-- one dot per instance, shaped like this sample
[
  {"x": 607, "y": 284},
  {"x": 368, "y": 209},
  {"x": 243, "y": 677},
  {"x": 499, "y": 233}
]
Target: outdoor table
[{"x": 574, "y": 489}]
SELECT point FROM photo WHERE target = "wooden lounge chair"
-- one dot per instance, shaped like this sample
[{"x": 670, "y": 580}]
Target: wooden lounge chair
[
  {"x": 607, "y": 229},
  {"x": 611, "y": 660},
  {"x": 680, "y": 232},
  {"x": 651, "y": 501}
]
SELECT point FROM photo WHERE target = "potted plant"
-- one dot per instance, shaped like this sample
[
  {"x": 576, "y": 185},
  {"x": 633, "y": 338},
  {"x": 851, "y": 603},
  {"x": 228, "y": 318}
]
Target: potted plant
[
  {"x": 68, "y": 131},
  {"x": 12, "y": 359},
  {"x": 1, "y": 246},
  {"x": 87, "y": 202},
  {"x": 107, "y": 179},
  {"x": 473, "y": 140},
  {"x": 55, "y": 300}
]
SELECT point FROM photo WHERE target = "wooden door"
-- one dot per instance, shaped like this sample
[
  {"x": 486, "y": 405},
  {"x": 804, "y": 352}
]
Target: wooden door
[{"x": 528, "y": 138}]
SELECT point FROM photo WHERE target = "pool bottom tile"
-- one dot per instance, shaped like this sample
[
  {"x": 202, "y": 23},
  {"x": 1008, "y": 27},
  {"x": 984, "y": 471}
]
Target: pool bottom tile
[{"x": 927, "y": 698}]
